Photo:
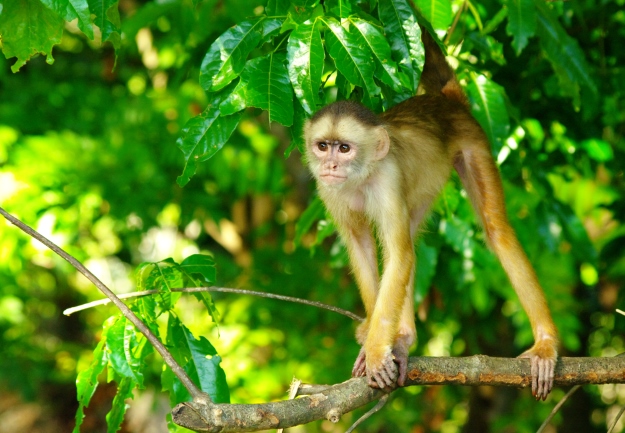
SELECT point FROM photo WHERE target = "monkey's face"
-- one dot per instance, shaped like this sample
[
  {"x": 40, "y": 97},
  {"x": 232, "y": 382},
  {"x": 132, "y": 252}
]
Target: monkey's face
[{"x": 343, "y": 149}]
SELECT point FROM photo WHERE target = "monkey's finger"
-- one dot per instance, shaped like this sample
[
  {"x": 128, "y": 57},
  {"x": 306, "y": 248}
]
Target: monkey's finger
[{"x": 402, "y": 363}]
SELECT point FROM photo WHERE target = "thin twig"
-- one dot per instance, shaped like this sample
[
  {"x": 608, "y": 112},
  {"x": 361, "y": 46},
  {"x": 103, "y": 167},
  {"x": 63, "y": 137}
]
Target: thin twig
[
  {"x": 379, "y": 405},
  {"x": 455, "y": 23},
  {"x": 195, "y": 392},
  {"x": 618, "y": 416},
  {"x": 222, "y": 290},
  {"x": 557, "y": 407}
]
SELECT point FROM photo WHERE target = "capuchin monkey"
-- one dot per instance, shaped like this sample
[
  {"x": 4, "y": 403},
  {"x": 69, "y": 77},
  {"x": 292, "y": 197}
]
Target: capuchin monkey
[{"x": 385, "y": 171}]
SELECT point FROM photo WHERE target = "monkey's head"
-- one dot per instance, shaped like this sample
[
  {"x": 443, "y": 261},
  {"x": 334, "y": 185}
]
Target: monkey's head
[{"x": 343, "y": 142}]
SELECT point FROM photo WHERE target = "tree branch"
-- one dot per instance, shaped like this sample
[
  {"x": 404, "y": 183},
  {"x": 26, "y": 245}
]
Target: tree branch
[
  {"x": 333, "y": 401},
  {"x": 92, "y": 304},
  {"x": 198, "y": 395}
]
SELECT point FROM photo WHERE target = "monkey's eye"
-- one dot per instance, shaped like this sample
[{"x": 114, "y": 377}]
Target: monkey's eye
[
  {"x": 344, "y": 148},
  {"x": 322, "y": 146}
]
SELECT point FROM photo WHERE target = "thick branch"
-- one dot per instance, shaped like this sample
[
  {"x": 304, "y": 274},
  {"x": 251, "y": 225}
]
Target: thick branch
[{"x": 333, "y": 401}]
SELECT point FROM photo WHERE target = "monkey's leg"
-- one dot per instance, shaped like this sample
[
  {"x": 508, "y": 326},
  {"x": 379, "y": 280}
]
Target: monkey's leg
[{"x": 483, "y": 184}]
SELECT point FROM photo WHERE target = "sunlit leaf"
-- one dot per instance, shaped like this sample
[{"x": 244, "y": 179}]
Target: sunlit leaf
[
  {"x": 489, "y": 108},
  {"x": 73, "y": 10},
  {"x": 341, "y": 8},
  {"x": 28, "y": 28},
  {"x": 351, "y": 58},
  {"x": 269, "y": 88},
  {"x": 521, "y": 23},
  {"x": 226, "y": 57},
  {"x": 386, "y": 69},
  {"x": 200, "y": 264},
  {"x": 115, "y": 417},
  {"x": 404, "y": 35},
  {"x": 120, "y": 342},
  {"x": 203, "y": 136},
  {"x": 107, "y": 19},
  {"x": 305, "y": 55},
  {"x": 87, "y": 382},
  {"x": 437, "y": 12},
  {"x": 201, "y": 362},
  {"x": 598, "y": 149}
]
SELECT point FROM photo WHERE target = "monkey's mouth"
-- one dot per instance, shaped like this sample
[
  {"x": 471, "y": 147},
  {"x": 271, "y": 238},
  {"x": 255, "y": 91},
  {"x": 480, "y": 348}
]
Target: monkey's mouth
[{"x": 332, "y": 179}]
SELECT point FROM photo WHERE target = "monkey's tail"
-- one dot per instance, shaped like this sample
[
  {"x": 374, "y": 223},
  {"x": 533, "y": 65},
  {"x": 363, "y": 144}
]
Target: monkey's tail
[{"x": 437, "y": 75}]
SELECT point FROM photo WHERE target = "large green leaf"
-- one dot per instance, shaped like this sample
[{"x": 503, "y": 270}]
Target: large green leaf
[
  {"x": 521, "y": 22},
  {"x": 489, "y": 108},
  {"x": 437, "y": 12},
  {"x": 313, "y": 213},
  {"x": 305, "y": 55},
  {"x": 404, "y": 34},
  {"x": 565, "y": 55},
  {"x": 200, "y": 264},
  {"x": 73, "y": 10},
  {"x": 351, "y": 58},
  {"x": 269, "y": 87},
  {"x": 386, "y": 69},
  {"x": 226, "y": 57},
  {"x": 203, "y": 136},
  {"x": 27, "y": 28},
  {"x": 341, "y": 8}
]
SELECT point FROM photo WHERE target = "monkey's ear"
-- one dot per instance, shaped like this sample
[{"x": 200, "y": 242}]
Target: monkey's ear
[{"x": 384, "y": 143}]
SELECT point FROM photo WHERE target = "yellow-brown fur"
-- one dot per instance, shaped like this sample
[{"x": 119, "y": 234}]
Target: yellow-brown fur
[{"x": 385, "y": 171}]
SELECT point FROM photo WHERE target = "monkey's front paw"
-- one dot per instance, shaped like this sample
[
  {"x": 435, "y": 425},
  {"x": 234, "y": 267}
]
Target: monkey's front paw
[
  {"x": 382, "y": 371},
  {"x": 543, "y": 363}
]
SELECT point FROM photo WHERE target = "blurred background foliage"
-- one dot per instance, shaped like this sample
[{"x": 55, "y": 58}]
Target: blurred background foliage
[{"x": 88, "y": 158}]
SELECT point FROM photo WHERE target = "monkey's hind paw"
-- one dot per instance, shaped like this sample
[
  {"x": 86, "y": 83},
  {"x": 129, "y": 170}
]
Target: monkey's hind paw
[{"x": 360, "y": 366}]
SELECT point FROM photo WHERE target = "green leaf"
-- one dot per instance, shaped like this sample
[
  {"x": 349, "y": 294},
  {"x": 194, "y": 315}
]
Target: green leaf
[
  {"x": 598, "y": 149},
  {"x": 351, "y": 58},
  {"x": 427, "y": 258},
  {"x": 121, "y": 340},
  {"x": 386, "y": 69},
  {"x": 565, "y": 55},
  {"x": 200, "y": 361},
  {"x": 70, "y": 10},
  {"x": 203, "y": 136},
  {"x": 200, "y": 264},
  {"x": 437, "y": 12},
  {"x": 305, "y": 55},
  {"x": 271, "y": 27},
  {"x": 269, "y": 88},
  {"x": 87, "y": 381},
  {"x": 313, "y": 213},
  {"x": 521, "y": 22},
  {"x": 115, "y": 417},
  {"x": 28, "y": 28},
  {"x": 204, "y": 365},
  {"x": 277, "y": 7},
  {"x": 341, "y": 8},
  {"x": 297, "y": 130},
  {"x": 404, "y": 34},
  {"x": 107, "y": 19},
  {"x": 226, "y": 57},
  {"x": 489, "y": 108}
]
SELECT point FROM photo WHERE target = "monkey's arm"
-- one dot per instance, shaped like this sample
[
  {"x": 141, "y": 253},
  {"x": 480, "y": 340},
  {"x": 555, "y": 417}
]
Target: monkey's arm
[{"x": 393, "y": 222}]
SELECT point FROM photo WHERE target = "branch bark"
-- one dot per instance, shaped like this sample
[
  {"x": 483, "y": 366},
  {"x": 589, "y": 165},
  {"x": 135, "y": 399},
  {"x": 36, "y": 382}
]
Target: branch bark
[{"x": 333, "y": 401}]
